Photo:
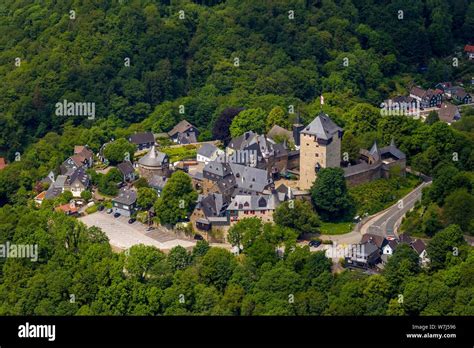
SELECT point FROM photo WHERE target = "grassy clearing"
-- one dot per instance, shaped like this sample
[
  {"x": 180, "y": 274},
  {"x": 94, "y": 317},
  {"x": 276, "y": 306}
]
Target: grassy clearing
[
  {"x": 334, "y": 228},
  {"x": 180, "y": 153}
]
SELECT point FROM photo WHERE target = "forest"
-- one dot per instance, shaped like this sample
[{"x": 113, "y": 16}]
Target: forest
[
  {"x": 77, "y": 273},
  {"x": 228, "y": 67}
]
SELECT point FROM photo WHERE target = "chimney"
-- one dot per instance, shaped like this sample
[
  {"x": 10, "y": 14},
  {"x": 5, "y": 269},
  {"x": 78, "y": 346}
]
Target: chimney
[{"x": 297, "y": 128}]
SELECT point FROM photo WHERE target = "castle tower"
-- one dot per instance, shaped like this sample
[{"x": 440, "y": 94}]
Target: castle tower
[{"x": 320, "y": 147}]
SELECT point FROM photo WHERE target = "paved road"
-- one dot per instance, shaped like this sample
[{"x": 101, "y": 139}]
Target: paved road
[{"x": 386, "y": 223}]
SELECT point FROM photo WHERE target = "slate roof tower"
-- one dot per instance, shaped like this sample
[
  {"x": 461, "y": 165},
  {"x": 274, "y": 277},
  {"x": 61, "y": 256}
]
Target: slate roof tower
[{"x": 320, "y": 147}]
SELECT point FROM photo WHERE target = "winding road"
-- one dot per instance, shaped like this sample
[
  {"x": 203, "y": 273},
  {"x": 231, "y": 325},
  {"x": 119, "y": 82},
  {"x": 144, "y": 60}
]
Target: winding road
[
  {"x": 384, "y": 223},
  {"x": 388, "y": 221}
]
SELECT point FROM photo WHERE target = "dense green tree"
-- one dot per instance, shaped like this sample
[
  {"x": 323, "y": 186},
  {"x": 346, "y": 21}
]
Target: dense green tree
[
  {"x": 119, "y": 150},
  {"x": 403, "y": 264},
  {"x": 217, "y": 267},
  {"x": 459, "y": 209},
  {"x": 179, "y": 258},
  {"x": 278, "y": 116},
  {"x": 146, "y": 197},
  {"x": 330, "y": 195},
  {"x": 350, "y": 146},
  {"x": 298, "y": 215},
  {"x": 444, "y": 246},
  {"x": 86, "y": 195},
  {"x": 249, "y": 119},
  {"x": 432, "y": 118},
  {"x": 177, "y": 199},
  {"x": 200, "y": 249}
]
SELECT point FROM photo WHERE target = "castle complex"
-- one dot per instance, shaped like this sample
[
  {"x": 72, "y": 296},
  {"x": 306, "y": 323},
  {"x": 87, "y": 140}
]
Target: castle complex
[{"x": 320, "y": 147}]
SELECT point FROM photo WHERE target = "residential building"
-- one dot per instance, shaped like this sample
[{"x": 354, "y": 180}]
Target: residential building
[
  {"x": 86, "y": 153},
  {"x": 68, "y": 209},
  {"x": 448, "y": 113},
  {"x": 401, "y": 105},
  {"x": 252, "y": 205},
  {"x": 77, "y": 183},
  {"x": 184, "y": 133},
  {"x": 419, "y": 246},
  {"x": 364, "y": 255},
  {"x": 375, "y": 239},
  {"x": 83, "y": 157},
  {"x": 127, "y": 171},
  {"x": 427, "y": 98},
  {"x": 469, "y": 50},
  {"x": 143, "y": 140},
  {"x": 210, "y": 211},
  {"x": 389, "y": 247},
  {"x": 157, "y": 182},
  {"x": 125, "y": 203},
  {"x": 208, "y": 152},
  {"x": 462, "y": 96}
]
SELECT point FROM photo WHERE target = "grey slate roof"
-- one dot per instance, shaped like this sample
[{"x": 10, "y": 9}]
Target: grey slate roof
[
  {"x": 357, "y": 168},
  {"x": 379, "y": 241},
  {"x": 126, "y": 197},
  {"x": 157, "y": 181},
  {"x": 212, "y": 205},
  {"x": 217, "y": 168},
  {"x": 142, "y": 138},
  {"x": 79, "y": 175},
  {"x": 392, "y": 150},
  {"x": 241, "y": 142},
  {"x": 250, "y": 178},
  {"x": 153, "y": 158},
  {"x": 60, "y": 181},
  {"x": 187, "y": 138},
  {"x": 374, "y": 151},
  {"x": 53, "y": 192},
  {"x": 368, "y": 249},
  {"x": 207, "y": 150},
  {"x": 276, "y": 131},
  {"x": 322, "y": 127},
  {"x": 126, "y": 168},
  {"x": 254, "y": 202}
]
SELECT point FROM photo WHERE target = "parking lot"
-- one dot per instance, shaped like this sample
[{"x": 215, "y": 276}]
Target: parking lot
[{"x": 124, "y": 235}]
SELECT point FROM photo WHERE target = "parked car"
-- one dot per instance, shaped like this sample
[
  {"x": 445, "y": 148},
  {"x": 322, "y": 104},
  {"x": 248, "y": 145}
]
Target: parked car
[
  {"x": 198, "y": 237},
  {"x": 132, "y": 220},
  {"x": 150, "y": 228},
  {"x": 314, "y": 243},
  {"x": 116, "y": 215},
  {"x": 109, "y": 210}
]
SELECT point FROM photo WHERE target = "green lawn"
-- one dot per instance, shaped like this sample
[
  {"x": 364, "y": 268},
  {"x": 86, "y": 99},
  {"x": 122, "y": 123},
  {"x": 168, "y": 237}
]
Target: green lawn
[
  {"x": 333, "y": 228},
  {"x": 180, "y": 153}
]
